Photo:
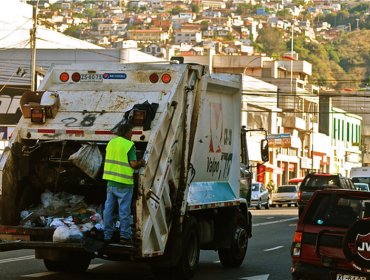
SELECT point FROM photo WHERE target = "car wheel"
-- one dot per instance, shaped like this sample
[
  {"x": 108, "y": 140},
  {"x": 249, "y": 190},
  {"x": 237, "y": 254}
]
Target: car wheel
[
  {"x": 267, "y": 205},
  {"x": 259, "y": 205}
]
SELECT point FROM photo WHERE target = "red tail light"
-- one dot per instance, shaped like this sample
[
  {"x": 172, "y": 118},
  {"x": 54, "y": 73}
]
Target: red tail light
[
  {"x": 64, "y": 77},
  {"x": 166, "y": 78},
  {"x": 76, "y": 77},
  {"x": 154, "y": 78},
  {"x": 296, "y": 246},
  {"x": 297, "y": 238},
  {"x": 299, "y": 196}
]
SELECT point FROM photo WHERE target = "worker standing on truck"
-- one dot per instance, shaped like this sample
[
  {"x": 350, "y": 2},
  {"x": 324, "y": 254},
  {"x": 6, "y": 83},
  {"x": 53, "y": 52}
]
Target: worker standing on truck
[{"x": 119, "y": 165}]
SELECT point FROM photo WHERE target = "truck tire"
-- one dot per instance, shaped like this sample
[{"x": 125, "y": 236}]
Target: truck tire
[
  {"x": 234, "y": 256},
  {"x": 189, "y": 259},
  {"x": 67, "y": 266}
]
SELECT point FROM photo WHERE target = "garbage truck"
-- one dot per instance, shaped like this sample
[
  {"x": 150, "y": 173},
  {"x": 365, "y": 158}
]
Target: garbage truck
[{"x": 186, "y": 126}]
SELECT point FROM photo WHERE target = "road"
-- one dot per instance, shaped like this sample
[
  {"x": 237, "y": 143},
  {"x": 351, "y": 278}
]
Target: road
[{"x": 267, "y": 257}]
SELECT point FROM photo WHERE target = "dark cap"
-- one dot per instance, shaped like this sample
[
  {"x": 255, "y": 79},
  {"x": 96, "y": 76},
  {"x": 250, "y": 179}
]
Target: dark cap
[{"x": 123, "y": 129}]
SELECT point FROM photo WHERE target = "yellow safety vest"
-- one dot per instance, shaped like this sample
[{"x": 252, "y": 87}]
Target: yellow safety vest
[{"x": 116, "y": 165}]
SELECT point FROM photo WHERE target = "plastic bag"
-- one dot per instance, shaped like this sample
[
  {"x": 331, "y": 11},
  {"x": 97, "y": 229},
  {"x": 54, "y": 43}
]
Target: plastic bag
[
  {"x": 61, "y": 234},
  {"x": 89, "y": 159}
]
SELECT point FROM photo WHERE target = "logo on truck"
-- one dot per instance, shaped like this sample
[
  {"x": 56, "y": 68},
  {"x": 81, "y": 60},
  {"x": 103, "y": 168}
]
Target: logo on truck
[{"x": 216, "y": 127}]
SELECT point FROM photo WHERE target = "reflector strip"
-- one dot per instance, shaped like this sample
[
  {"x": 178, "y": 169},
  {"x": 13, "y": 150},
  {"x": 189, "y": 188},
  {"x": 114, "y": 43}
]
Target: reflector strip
[
  {"x": 77, "y": 132},
  {"x": 101, "y": 132},
  {"x": 214, "y": 205},
  {"x": 48, "y": 131}
]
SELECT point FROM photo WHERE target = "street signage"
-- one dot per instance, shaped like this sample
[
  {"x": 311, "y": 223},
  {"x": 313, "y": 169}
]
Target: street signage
[{"x": 281, "y": 140}]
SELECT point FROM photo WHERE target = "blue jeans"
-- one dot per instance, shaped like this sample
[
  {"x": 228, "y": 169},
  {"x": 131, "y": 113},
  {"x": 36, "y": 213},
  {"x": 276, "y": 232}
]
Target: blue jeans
[{"x": 122, "y": 197}]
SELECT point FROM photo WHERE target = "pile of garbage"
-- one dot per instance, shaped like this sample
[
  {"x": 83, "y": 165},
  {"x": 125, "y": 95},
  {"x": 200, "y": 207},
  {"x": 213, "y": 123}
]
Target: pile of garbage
[{"x": 71, "y": 217}]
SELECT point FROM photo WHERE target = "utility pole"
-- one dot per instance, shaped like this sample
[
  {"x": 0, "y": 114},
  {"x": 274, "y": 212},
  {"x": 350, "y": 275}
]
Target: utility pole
[{"x": 33, "y": 46}]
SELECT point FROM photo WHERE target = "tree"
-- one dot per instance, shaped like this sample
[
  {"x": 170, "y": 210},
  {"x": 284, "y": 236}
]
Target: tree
[
  {"x": 272, "y": 42},
  {"x": 74, "y": 31},
  {"x": 177, "y": 10},
  {"x": 195, "y": 8}
]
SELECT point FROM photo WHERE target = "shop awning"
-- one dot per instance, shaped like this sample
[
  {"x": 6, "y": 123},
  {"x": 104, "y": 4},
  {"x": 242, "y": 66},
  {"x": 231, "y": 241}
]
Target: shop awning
[{"x": 272, "y": 168}]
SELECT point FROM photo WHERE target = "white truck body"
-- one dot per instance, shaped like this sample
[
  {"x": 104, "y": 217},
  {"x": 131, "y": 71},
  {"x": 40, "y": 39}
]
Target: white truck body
[
  {"x": 360, "y": 174},
  {"x": 188, "y": 190}
]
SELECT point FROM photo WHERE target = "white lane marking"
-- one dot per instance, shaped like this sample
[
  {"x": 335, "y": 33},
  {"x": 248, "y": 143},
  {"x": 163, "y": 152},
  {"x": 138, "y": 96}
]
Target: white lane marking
[
  {"x": 92, "y": 266},
  {"x": 40, "y": 274},
  {"x": 17, "y": 259},
  {"x": 257, "y": 277},
  {"x": 275, "y": 222},
  {"x": 269, "y": 218},
  {"x": 274, "y": 248}
]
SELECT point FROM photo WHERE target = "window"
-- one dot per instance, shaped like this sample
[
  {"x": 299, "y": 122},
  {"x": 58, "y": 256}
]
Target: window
[
  {"x": 342, "y": 130},
  {"x": 348, "y": 132}
]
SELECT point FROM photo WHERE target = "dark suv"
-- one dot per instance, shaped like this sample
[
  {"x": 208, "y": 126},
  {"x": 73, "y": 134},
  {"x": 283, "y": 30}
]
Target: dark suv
[
  {"x": 332, "y": 238},
  {"x": 317, "y": 181}
]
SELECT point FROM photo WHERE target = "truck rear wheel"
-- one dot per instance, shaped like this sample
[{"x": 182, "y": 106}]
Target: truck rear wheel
[
  {"x": 67, "y": 266},
  {"x": 189, "y": 259},
  {"x": 234, "y": 256}
]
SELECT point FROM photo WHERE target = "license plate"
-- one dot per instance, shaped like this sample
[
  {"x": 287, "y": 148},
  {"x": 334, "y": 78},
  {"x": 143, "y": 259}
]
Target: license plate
[
  {"x": 349, "y": 277},
  {"x": 91, "y": 77}
]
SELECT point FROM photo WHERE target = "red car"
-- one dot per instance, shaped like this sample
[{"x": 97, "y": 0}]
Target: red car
[{"x": 332, "y": 238}]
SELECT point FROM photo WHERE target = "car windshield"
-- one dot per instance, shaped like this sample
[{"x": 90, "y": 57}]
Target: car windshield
[
  {"x": 254, "y": 187},
  {"x": 319, "y": 181},
  {"x": 337, "y": 210},
  {"x": 362, "y": 187},
  {"x": 284, "y": 189}
]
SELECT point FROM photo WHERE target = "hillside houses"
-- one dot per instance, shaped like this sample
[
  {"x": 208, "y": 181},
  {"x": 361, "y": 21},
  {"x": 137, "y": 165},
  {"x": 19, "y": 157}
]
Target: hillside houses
[{"x": 115, "y": 21}]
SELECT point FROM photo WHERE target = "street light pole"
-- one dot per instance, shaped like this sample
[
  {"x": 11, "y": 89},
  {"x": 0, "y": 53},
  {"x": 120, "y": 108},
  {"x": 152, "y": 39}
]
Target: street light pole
[{"x": 33, "y": 46}]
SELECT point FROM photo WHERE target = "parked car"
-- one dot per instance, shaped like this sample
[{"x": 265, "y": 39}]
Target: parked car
[
  {"x": 260, "y": 196},
  {"x": 317, "y": 181},
  {"x": 332, "y": 237},
  {"x": 245, "y": 184},
  {"x": 285, "y": 194},
  {"x": 295, "y": 181},
  {"x": 362, "y": 186}
]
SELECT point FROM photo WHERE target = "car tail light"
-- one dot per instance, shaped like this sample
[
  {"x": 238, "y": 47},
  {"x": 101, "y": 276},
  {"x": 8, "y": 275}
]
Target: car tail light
[
  {"x": 299, "y": 196},
  {"x": 296, "y": 246}
]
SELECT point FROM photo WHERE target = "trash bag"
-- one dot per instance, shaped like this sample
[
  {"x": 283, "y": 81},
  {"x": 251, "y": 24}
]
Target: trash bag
[
  {"x": 89, "y": 159},
  {"x": 61, "y": 234}
]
